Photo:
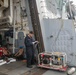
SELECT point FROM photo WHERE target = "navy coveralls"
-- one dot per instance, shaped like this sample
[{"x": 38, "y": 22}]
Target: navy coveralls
[{"x": 29, "y": 50}]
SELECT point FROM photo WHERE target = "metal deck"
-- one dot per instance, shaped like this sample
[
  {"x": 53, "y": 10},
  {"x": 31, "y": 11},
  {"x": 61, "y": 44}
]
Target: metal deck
[
  {"x": 19, "y": 68},
  {"x": 52, "y": 72},
  {"x": 15, "y": 68}
]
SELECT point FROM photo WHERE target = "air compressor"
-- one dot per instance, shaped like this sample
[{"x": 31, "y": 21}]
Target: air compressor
[{"x": 53, "y": 60}]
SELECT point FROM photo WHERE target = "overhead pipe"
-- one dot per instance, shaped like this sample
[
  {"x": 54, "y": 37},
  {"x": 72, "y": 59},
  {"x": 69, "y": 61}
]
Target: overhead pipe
[
  {"x": 0, "y": 13},
  {"x": 7, "y": 19},
  {"x": 11, "y": 11}
]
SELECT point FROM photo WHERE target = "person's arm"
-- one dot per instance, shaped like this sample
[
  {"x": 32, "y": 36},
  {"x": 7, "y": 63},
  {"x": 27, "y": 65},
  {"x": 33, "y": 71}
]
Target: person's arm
[{"x": 34, "y": 41}]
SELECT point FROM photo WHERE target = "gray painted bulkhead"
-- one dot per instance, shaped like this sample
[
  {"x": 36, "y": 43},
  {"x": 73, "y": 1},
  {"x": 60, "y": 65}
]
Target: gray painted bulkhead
[{"x": 58, "y": 34}]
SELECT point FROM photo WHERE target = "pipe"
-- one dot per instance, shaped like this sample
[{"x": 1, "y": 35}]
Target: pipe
[
  {"x": 0, "y": 13},
  {"x": 4, "y": 5},
  {"x": 70, "y": 12},
  {"x": 11, "y": 10},
  {"x": 14, "y": 31},
  {"x": 5, "y": 20}
]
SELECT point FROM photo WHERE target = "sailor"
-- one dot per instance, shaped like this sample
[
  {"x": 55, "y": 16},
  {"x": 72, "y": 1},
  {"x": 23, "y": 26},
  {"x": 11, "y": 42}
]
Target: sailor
[{"x": 29, "y": 42}]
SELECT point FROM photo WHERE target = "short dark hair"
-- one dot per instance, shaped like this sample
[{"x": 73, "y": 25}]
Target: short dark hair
[{"x": 31, "y": 32}]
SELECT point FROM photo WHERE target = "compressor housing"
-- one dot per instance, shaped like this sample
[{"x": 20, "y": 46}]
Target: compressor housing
[{"x": 53, "y": 60}]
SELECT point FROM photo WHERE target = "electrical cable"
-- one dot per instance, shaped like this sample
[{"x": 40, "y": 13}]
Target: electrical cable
[{"x": 58, "y": 33}]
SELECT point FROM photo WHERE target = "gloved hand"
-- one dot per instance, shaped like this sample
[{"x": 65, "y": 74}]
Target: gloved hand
[{"x": 36, "y": 42}]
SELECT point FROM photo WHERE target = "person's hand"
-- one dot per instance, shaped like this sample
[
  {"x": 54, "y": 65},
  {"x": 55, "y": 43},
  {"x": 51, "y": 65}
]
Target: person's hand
[
  {"x": 33, "y": 42},
  {"x": 36, "y": 42}
]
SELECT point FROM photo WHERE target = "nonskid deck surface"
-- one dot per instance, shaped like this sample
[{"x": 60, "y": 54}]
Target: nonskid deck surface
[
  {"x": 53, "y": 72},
  {"x": 15, "y": 68},
  {"x": 19, "y": 68}
]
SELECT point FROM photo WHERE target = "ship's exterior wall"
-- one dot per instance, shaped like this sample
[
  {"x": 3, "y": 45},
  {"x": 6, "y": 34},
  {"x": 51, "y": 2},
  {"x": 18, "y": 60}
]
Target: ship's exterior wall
[
  {"x": 60, "y": 37},
  {"x": 22, "y": 13},
  {"x": 21, "y": 19},
  {"x": 58, "y": 34}
]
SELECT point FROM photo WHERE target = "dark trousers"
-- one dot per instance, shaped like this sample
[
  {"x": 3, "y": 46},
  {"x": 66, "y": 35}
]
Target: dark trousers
[{"x": 30, "y": 56}]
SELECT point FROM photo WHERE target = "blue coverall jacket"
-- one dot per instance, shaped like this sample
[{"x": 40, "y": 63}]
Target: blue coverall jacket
[{"x": 29, "y": 50}]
